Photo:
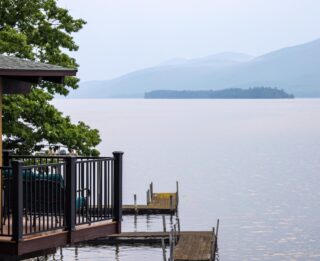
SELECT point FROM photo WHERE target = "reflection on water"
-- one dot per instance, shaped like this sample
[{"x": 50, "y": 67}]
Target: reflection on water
[{"x": 253, "y": 164}]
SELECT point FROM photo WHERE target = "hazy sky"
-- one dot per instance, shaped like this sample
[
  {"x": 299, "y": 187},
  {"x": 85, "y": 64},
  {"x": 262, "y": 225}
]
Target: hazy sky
[{"x": 126, "y": 35}]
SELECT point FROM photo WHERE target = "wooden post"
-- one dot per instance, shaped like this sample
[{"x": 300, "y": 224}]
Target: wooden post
[
  {"x": 135, "y": 203},
  {"x": 171, "y": 203},
  {"x": 148, "y": 197},
  {"x": 164, "y": 223},
  {"x": 135, "y": 221},
  {"x": 175, "y": 233},
  {"x": 17, "y": 211},
  {"x": 217, "y": 228},
  {"x": 117, "y": 198},
  {"x": 163, "y": 250},
  {"x": 151, "y": 191},
  {"x": 213, "y": 246},
  {"x": 178, "y": 223},
  {"x": 171, "y": 245},
  {"x": 177, "y": 193}
]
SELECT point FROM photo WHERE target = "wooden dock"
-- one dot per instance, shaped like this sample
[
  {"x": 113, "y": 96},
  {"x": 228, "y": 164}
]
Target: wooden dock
[
  {"x": 157, "y": 203},
  {"x": 195, "y": 246},
  {"x": 191, "y": 245}
]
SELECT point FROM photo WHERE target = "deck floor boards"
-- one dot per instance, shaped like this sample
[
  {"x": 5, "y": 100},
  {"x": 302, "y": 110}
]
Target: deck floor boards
[{"x": 195, "y": 246}]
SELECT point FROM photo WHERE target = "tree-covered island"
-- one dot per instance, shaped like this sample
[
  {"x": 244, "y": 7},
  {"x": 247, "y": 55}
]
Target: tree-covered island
[{"x": 232, "y": 93}]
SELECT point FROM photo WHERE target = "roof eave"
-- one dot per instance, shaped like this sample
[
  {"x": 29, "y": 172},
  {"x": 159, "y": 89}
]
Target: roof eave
[{"x": 37, "y": 73}]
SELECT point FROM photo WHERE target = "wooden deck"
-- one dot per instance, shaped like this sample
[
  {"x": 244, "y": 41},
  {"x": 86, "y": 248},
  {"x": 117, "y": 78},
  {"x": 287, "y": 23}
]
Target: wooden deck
[
  {"x": 32, "y": 245},
  {"x": 160, "y": 203}
]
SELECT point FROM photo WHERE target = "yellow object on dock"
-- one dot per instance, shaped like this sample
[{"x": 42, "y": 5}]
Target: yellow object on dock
[{"x": 161, "y": 203}]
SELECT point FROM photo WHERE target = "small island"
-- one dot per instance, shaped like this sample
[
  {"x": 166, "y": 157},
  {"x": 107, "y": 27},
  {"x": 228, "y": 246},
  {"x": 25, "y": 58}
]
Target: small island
[{"x": 232, "y": 93}]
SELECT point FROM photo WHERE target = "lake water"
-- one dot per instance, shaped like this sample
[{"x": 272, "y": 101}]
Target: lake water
[{"x": 255, "y": 164}]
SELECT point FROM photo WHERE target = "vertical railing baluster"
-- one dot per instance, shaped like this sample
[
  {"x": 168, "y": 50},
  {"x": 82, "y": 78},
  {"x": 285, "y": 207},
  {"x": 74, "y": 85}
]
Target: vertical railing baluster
[
  {"x": 47, "y": 199},
  {"x": 88, "y": 195},
  {"x": 51, "y": 197},
  {"x": 17, "y": 223},
  {"x": 81, "y": 217},
  {"x": 10, "y": 198},
  {"x": 99, "y": 188},
  {"x": 105, "y": 203},
  {"x": 31, "y": 201},
  {"x": 43, "y": 196},
  {"x": 93, "y": 185}
]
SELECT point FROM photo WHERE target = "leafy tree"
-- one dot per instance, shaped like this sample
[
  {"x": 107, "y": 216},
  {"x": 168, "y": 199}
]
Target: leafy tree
[{"x": 41, "y": 31}]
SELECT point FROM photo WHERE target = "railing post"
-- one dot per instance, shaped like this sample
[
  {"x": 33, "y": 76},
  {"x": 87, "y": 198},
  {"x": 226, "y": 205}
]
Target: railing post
[
  {"x": 70, "y": 206},
  {"x": 117, "y": 197},
  {"x": 6, "y": 156},
  {"x": 17, "y": 210}
]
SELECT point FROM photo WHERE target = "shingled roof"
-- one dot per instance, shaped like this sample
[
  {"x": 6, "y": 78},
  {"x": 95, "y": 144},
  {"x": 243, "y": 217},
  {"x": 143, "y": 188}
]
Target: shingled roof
[
  {"x": 20, "y": 67},
  {"x": 17, "y": 74}
]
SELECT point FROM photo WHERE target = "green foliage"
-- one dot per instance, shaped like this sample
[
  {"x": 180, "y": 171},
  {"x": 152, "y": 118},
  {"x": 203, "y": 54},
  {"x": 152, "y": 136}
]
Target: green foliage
[{"x": 41, "y": 31}]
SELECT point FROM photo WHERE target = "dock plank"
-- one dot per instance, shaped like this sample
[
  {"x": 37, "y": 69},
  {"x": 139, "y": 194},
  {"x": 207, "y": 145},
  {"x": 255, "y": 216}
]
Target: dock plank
[
  {"x": 159, "y": 204},
  {"x": 195, "y": 246},
  {"x": 192, "y": 245}
]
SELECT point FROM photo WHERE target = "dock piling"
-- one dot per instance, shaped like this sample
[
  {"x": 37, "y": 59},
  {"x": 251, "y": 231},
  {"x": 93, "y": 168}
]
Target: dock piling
[
  {"x": 177, "y": 193},
  {"x": 178, "y": 223},
  {"x": 217, "y": 228},
  {"x": 171, "y": 245},
  {"x": 212, "y": 254},
  {"x": 148, "y": 197},
  {"x": 163, "y": 250},
  {"x": 135, "y": 203},
  {"x": 175, "y": 233},
  {"x": 164, "y": 223},
  {"x": 151, "y": 190}
]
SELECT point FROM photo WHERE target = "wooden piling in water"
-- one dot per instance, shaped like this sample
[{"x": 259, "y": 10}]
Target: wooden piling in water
[
  {"x": 164, "y": 223},
  {"x": 163, "y": 250},
  {"x": 151, "y": 190},
  {"x": 135, "y": 203}
]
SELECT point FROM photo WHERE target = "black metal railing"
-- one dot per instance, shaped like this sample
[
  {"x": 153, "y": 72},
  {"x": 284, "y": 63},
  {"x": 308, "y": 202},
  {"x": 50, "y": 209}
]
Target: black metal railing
[
  {"x": 94, "y": 190},
  {"x": 43, "y": 193},
  {"x": 43, "y": 197},
  {"x": 7, "y": 201}
]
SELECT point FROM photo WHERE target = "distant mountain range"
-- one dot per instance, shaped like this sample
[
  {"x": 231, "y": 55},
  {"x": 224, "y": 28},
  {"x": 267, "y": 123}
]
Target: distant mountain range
[{"x": 294, "y": 69}]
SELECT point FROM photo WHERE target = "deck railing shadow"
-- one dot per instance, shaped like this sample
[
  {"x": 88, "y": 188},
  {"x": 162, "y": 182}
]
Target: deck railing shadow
[{"x": 45, "y": 193}]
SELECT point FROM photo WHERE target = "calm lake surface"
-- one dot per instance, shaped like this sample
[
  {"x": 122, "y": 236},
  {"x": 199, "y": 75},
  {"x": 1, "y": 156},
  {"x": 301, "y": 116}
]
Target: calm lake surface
[{"x": 255, "y": 164}]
